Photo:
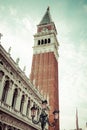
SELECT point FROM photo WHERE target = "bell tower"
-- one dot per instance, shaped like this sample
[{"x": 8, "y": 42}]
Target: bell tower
[{"x": 44, "y": 71}]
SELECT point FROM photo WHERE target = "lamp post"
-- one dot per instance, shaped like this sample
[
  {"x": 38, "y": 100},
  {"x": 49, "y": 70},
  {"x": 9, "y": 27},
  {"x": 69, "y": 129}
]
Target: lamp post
[{"x": 43, "y": 118}]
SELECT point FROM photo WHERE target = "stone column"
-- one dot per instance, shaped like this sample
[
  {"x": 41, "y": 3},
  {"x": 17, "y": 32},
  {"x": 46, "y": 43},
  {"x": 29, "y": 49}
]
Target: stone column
[
  {"x": 18, "y": 101},
  {"x": 10, "y": 94},
  {"x": 25, "y": 105},
  {"x": 31, "y": 104},
  {"x": 2, "y": 80},
  {"x": 28, "y": 107}
]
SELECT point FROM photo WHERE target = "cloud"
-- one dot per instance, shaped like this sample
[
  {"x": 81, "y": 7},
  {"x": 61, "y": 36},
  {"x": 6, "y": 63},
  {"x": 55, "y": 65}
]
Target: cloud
[
  {"x": 2, "y": 8},
  {"x": 19, "y": 37},
  {"x": 73, "y": 79},
  {"x": 27, "y": 23},
  {"x": 13, "y": 11},
  {"x": 85, "y": 8}
]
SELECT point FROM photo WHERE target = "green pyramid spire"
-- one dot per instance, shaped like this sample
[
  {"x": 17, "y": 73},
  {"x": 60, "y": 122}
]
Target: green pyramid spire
[{"x": 46, "y": 18}]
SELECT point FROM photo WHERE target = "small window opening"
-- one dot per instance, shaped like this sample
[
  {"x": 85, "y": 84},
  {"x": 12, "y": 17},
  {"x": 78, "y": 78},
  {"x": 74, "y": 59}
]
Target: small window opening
[
  {"x": 42, "y": 42},
  {"x": 49, "y": 40},
  {"x": 45, "y": 41},
  {"x": 38, "y": 42}
]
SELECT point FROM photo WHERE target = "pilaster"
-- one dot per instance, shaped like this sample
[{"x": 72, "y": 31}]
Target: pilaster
[
  {"x": 2, "y": 80},
  {"x": 10, "y": 94},
  {"x": 25, "y": 105},
  {"x": 18, "y": 101}
]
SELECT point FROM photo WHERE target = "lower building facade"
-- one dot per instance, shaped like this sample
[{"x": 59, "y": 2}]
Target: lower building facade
[{"x": 17, "y": 96}]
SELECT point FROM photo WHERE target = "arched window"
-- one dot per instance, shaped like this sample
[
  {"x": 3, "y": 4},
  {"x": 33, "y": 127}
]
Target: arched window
[
  {"x": 42, "y": 41},
  {"x": 14, "y": 98},
  {"x": 1, "y": 75},
  {"x": 28, "y": 107},
  {"x": 22, "y": 103},
  {"x": 5, "y": 91},
  {"x": 1, "y": 62},
  {"x": 0, "y": 128},
  {"x": 11, "y": 128},
  {"x": 45, "y": 41},
  {"x": 49, "y": 40},
  {"x": 38, "y": 42}
]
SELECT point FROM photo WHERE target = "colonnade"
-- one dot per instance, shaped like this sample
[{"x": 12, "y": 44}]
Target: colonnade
[{"x": 13, "y": 96}]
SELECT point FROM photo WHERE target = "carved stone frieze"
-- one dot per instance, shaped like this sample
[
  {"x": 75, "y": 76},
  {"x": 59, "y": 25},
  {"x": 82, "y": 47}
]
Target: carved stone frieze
[{"x": 11, "y": 121}]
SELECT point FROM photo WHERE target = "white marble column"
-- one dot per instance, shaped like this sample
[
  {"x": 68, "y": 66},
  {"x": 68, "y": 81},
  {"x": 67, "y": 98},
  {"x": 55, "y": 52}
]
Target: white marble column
[
  {"x": 31, "y": 105},
  {"x": 25, "y": 105},
  {"x": 10, "y": 94},
  {"x": 28, "y": 107},
  {"x": 2, "y": 80},
  {"x": 18, "y": 101}
]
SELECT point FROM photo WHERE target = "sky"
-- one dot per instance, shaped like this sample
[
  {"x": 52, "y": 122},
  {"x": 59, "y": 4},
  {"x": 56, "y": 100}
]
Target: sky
[{"x": 18, "y": 24}]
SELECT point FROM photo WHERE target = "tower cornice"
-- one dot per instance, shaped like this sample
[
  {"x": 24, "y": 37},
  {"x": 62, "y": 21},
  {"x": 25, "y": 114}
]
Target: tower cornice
[
  {"x": 45, "y": 33},
  {"x": 46, "y": 49}
]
